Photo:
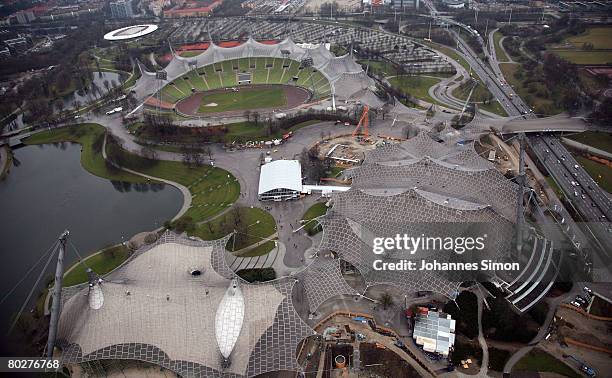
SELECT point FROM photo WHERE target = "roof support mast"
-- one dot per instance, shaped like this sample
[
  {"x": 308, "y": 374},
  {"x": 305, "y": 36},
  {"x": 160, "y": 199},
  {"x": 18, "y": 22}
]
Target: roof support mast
[{"x": 57, "y": 294}]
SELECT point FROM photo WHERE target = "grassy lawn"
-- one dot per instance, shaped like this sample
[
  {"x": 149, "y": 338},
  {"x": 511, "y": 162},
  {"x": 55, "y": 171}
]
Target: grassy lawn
[
  {"x": 599, "y": 36},
  {"x": 596, "y": 139},
  {"x": 599, "y": 172},
  {"x": 89, "y": 136},
  {"x": 499, "y": 52},
  {"x": 314, "y": 211},
  {"x": 380, "y": 67},
  {"x": 260, "y": 250},
  {"x": 586, "y": 56},
  {"x": 254, "y": 224},
  {"x": 540, "y": 361},
  {"x": 417, "y": 86},
  {"x": 101, "y": 263},
  {"x": 245, "y": 98}
]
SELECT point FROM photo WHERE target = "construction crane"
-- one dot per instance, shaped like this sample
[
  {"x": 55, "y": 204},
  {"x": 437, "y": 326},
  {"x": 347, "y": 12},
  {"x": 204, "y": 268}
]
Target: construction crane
[{"x": 363, "y": 123}]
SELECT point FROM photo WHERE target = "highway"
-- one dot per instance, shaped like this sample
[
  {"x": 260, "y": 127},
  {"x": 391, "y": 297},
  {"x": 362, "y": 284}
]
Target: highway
[{"x": 596, "y": 204}]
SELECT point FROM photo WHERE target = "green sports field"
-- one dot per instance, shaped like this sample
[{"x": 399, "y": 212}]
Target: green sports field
[{"x": 245, "y": 98}]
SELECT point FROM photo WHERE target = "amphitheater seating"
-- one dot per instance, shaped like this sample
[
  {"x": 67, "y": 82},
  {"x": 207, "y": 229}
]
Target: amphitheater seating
[{"x": 266, "y": 71}]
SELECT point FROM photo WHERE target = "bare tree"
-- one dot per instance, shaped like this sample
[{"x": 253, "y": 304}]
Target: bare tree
[
  {"x": 208, "y": 151},
  {"x": 255, "y": 116}
]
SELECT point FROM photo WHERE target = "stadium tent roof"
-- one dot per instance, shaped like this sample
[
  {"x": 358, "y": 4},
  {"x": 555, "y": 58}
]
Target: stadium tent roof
[
  {"x": 280, "y": 174},
  {"x": 419, "y": 187},
  {"x": 156, "y": 310},
  {"x": 346, "y": 78}
]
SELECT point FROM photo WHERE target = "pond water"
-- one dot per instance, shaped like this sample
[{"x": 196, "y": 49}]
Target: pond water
[{"x": 48, "y": 191}]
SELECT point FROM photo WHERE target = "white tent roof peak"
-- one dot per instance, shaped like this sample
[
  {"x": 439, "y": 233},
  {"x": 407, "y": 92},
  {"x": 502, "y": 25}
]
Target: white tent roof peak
[{"x": 280, "y": 174}]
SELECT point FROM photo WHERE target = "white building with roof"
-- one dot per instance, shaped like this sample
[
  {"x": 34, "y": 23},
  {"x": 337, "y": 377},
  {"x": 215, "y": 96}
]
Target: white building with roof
[
  {"x": 434, "y": 331},
  {"x": 280, "y": 180}
]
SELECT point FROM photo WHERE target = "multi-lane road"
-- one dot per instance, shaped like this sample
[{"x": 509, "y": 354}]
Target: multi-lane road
[{"x": 596, "y": 204}]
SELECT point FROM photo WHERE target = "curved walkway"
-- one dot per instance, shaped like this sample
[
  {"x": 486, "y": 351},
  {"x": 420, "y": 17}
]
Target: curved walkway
[{"x": 186, "y": 193}]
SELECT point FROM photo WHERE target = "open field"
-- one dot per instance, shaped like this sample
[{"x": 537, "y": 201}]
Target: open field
[
  {"x": 226, "y": 102},
  {"x": 416, "y": 86},
  {"x": 586, "y": 56},
  {"x": 244, "y": 98},
  {"x": 594, "y": 46},
  {"x": 599, "y": 172},
  {"x": 599, "y": 36},
  {"x": 596, "y": 139}
]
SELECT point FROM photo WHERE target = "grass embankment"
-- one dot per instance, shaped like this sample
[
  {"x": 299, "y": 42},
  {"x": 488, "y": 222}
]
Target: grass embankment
[
  {"x": 90, "y": 136},
  {"x": 601, "y": 173},
  {"x": 101, "y": 262},
  {"x": 499, "y": 52},
  {"x": 596, "y": 139},
  {"x": 416, "y": 86},
  {"x": 594, "y": 46},
  {"x": 314, "y": 211},
  {"x": 481, "y": 96},
  {"x": 245, "y": 98},
  {"x": 540, "y": 361}
]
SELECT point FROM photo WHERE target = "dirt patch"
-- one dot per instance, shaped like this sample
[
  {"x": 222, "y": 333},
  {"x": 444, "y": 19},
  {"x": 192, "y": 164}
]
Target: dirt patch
[
  {"x": 295, "y": 96},
  {"x": 384, "y": 362}
]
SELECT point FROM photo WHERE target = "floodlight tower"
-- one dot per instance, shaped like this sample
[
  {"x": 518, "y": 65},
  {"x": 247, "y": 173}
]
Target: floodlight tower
[{"x": 160, "y": 77}]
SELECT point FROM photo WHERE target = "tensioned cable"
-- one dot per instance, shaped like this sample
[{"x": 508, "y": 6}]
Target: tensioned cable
[
  {"x": 28, "y": 273},
  {"x": 34, "y": 287},
  {"x": 81, "y": 260}
]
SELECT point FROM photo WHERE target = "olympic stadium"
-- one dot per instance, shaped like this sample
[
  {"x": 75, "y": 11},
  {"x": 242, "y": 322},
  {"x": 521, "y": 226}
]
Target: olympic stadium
[{"x": 226, "y": 81}]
